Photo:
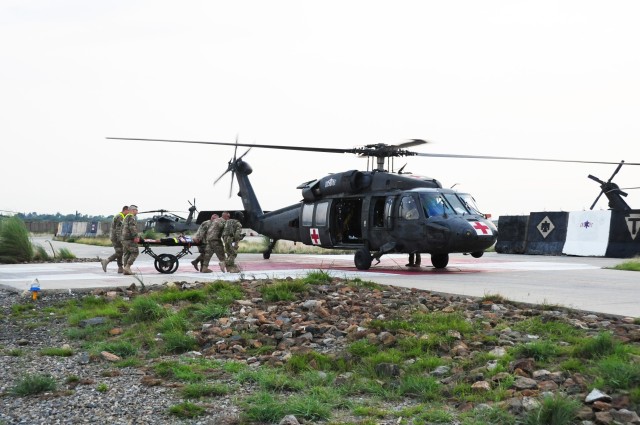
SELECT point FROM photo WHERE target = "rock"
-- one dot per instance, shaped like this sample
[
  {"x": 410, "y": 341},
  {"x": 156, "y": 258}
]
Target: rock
[{"x": 596, "y": 394}]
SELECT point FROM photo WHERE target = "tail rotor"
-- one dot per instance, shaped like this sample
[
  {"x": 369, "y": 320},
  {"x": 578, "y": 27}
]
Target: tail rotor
[{"x": 232, "y": 166}]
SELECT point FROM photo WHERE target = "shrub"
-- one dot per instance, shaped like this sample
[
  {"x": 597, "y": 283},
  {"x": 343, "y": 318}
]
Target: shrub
[
  {"x": 33, "y": 384},
  {"x": 15, "y": 245}
]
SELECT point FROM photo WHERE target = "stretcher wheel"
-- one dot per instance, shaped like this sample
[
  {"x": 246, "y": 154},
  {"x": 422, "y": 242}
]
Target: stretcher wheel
[{"x": 166, "y": 263}]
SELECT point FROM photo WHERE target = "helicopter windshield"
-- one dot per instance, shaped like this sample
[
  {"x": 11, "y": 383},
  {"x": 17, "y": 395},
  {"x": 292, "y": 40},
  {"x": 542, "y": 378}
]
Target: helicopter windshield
[
  {"x": 438, "y": 204},
  {"x": 470, "y": 203}
]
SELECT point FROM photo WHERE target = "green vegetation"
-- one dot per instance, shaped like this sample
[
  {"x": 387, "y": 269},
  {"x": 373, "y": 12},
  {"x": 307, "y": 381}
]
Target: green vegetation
[
  {"x": 407, "y": 358},
  {"x": 31, "y": 384},
  {"x": 631, "y": 265},
  {"x": 59, "y": 352},
  {"x": 15, "y": 246}
]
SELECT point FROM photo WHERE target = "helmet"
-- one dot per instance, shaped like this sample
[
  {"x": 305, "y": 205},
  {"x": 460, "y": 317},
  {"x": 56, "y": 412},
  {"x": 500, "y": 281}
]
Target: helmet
[{"x": 238, "y": 216}]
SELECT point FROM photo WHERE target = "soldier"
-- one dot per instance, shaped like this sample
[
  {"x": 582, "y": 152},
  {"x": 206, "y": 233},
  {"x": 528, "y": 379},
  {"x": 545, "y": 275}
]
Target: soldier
[
  {"x": 214, "y": 244},
  {"x": 199, "y": 237},
  {"x": 414, "y": 260},
  {"x": 231, "y": 235},
  {"x": 116, "y": 240},
  {"x": 130, "y": 239}
]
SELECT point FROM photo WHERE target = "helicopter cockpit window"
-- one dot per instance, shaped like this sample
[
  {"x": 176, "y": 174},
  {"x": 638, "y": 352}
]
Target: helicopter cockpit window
[
  {"x": 307, "y": 215},
  {"x": 321, "y": 213},
  {"x": 470, "y": 203},
  {"x": 409, "y": 208},
  {"x": 434, "y": 204},
  {"x": 456, "y": 203}
]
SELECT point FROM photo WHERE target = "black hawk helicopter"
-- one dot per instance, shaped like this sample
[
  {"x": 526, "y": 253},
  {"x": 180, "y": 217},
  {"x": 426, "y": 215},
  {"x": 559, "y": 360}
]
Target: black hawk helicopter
[
  {"x": 168, "y": 222},
  {"x": 613, "y": 192},
  {"x": 372, "y": 212}
]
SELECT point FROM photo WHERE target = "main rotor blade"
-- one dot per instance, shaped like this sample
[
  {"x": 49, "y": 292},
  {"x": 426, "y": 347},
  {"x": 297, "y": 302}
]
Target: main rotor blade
[
  {"x": 250, "y": 145},
  {"x": 412, "y": 142},
  {"x": 514, "y": 158},
  {"x": 596, "y": 201}
]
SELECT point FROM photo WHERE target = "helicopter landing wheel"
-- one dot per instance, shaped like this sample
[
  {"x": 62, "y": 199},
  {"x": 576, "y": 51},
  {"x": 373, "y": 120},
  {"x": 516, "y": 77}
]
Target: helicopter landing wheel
[
  {"x": 166, "y": 263},
  {"x": 477, "y": 254},
  {"x": 362, "y": 259},
  {"x": 266, "y": 255},
  {"x": 439, "y": 261}
]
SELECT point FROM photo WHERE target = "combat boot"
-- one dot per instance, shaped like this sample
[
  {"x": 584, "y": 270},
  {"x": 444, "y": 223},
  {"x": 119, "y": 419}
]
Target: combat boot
[
  {"x": 120, "y": 269},
  {"x": 195, "y": 265},
  {"x": 104, "y": 264},
  {"x": 127, "y": 270},
  {"x": 223, "y": 267},
  {"x": 206, "y": 270}
]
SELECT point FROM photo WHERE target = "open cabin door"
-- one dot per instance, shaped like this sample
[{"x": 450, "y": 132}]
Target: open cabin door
[{"x": 346, "y": 221}]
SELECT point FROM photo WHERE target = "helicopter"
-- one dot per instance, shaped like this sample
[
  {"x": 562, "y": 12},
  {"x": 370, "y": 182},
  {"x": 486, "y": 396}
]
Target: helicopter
[
  {"x": 613, "y": 192},
  {"x": 168, "y": 222},
  {"x": 373, "y": 212}
]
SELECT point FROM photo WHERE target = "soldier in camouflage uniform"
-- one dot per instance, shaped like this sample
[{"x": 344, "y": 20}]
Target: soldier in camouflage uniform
[
  {"x": 199, "y": 237},
  {"x": 214, "y": 245},
  {"x": 115, "y": 236},
  {"x": 231, "y": 235},
  {"x": 130, "y": 239}
]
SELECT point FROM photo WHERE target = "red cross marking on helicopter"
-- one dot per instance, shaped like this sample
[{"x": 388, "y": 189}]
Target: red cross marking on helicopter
[
  {"x": 315, "y": 237},
  {"x": 481, "y": 229}
]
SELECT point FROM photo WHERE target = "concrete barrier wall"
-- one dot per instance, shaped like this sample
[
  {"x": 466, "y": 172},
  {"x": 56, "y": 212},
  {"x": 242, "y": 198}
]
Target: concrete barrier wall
[
  {"x": 512, "y": 234},
  {"x": 587, "y": 233},
  {"x": 624, "y": 237},
  {"x": 546, "y": 233},
  {"x": 613, "y": 234}
]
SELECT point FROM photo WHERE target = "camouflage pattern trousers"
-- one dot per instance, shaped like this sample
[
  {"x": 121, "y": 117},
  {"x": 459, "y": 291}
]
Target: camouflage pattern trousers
[
  {"x": 117, "y": 256},
  {"x": 212, "y": 247},
  {"x": 130, "y": 253},
  {"x": 232, "y": 252}
]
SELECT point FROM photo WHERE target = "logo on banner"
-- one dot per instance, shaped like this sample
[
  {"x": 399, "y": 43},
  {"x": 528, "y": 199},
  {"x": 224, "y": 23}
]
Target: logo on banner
[
  {"x": 586, "y": 224},
  {"x": 545, "y": 227},
  {"x": 481, "y": 228},
  {"x": 315, "y": 236},
  {"x": 633, "y": 223}
]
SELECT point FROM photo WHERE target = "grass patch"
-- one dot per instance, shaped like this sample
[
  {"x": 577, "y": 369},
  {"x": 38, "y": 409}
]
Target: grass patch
[
  {"x": 56, "y": 352},
  {"x": 15, "y": 246},
  {"x": 146, "y": 309},
  {"x": 557, "y": 410},
  {"x": 178, "y": 342},
  {"x": 186, "y": 410},
  {"x": 31, "y": 384},
  {"x": 631, "y": 265},
  {"x": 205, "y": 390},
  {"x": 283, "y": 291}
]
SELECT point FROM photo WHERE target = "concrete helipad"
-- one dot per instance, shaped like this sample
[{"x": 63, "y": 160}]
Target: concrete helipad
[{"x": 583, "y": 283}]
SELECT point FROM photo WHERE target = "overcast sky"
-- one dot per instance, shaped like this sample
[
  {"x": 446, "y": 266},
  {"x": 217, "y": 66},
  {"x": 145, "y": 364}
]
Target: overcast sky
[{"x": 550, "y": 79}]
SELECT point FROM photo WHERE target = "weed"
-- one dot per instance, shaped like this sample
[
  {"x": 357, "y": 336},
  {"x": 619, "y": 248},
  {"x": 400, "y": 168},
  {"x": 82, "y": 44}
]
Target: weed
[
  {"x": 102, "y": 387},
  {"x": 15, "y": 246},
  {"x": 186, "y": 410},
  {"x": 205, "y": 390},
  {"x": 179, "y": 371},
  {"x": 283, "y": 291},
  {"x": 539, "y": 350},
  {"x": 65, "y": 254},
  {"x": 31, "y": 384},
  {"x": 619, "y": 373},
  {"x": 631, "y": 265},
  {"x": 178, "y": 342},
  {"x": 119, "y": 348},
  {"x": 170, "y": 296},
  {"x": 317, "y": 277},
  {"x": 174, "y": 322},
  {"x": 15, "y": 352},
  {"x": 601, "y": 345},
  {"x": 556, "y": 410},
  {"x": 54, "y": 351},
  {"x": 424, "y": 388},
  {"x": 211, "y": 311},
  {"x": 145, "y": 309}
]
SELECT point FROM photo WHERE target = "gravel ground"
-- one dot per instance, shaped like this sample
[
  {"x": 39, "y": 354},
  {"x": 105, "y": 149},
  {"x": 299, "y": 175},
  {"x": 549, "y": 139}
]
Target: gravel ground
[{"x": 327, "y": 320}]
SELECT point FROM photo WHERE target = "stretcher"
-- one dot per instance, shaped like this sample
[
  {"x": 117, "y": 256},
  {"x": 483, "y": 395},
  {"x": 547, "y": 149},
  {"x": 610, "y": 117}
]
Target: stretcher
[{"x": 168, "y": 263}]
